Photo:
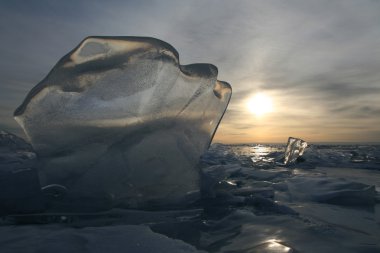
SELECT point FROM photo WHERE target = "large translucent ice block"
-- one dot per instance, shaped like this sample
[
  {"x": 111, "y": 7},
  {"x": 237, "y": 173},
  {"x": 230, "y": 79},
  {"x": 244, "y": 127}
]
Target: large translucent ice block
[{"x": 119, "y": 117}]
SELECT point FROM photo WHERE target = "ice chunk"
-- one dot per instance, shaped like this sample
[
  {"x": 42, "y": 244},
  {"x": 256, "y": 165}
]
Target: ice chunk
[
  {"x": 265, "y": 206},
  {"x": 10, "y": 142},
  {"x": 120, "y": 118},
  {"x": 294, "y": 149},
  {"x": 331, "y": 190},
  {"x": 19, "y": 185},
  {"x": 15, "y": 153}
]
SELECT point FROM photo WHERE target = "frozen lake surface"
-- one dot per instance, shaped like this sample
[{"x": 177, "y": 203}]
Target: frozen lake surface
[{"x": 327, "y": 202}]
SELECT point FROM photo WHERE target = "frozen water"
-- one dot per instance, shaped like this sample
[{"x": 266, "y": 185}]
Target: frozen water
[
  {"x": 120, "y": 119},
  {"x": 325, "y": 204},
  {"x": 294, "y": 149},
  {"x": 331, "y": 190},
  {"x": 124, "y": 238}
]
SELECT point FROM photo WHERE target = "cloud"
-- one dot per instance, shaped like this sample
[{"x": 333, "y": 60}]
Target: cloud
[{"x": 319, "y": 60}]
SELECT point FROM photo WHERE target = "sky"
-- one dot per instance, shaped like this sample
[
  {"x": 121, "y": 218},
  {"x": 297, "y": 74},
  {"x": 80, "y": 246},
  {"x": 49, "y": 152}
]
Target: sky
[{"x": 318, "y": 61}]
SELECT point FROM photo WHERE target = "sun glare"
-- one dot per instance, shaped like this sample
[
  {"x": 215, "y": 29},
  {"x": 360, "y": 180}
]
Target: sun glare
[{"x": 260, "y": 104}]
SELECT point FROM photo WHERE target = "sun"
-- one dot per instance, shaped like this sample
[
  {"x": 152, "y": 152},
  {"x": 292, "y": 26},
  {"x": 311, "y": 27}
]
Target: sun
[{"x": 260, "y": 104}]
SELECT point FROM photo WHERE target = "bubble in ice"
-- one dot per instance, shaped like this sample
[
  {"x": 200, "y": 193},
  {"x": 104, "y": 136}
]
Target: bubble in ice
[
  {"x": 119, "y": 117},
  {"x": 294, "y": 149}
]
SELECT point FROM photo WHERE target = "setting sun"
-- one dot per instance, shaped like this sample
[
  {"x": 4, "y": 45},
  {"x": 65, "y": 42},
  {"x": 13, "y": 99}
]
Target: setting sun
[{"x": 260, "y": 104}]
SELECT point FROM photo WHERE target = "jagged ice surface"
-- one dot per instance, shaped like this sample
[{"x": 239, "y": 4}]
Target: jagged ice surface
[
  {"x": 119, "y": 119},
  {"x": 327, "y": 203}
]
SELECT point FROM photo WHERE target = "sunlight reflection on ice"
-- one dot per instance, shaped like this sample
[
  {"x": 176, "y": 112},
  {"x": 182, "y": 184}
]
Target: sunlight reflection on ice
[
  {"x": 274, "y": 246},
  {"x": 259, "y": 154}
]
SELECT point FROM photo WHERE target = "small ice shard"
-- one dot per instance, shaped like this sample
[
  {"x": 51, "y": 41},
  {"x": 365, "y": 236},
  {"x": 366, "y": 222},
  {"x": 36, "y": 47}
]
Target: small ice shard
[
  {"x": 294, "y": 149},
  {"x": 120, "y": 118}
]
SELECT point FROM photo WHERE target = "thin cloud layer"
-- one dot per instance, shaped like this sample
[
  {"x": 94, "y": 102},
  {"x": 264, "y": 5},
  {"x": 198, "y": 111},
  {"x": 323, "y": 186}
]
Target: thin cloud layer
[{"x": 319, "y": 61}]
